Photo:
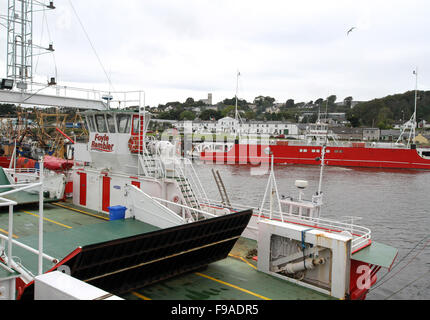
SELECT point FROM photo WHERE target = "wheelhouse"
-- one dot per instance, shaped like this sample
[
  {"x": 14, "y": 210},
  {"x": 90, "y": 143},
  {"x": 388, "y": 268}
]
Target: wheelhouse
[{"x": 116, "y": 122}]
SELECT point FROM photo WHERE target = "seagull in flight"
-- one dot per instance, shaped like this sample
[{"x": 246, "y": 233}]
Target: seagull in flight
[{"x": 350, "y": 30}]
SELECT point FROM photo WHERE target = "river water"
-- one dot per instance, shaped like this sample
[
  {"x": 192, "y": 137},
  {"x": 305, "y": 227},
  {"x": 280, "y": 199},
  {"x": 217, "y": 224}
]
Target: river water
[{"x": 394, "y": 204}]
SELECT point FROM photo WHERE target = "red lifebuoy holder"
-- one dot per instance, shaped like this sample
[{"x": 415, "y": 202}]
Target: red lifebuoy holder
[
  {"x": 133, "y": 144},
  {"x": 176, "y": 199}
]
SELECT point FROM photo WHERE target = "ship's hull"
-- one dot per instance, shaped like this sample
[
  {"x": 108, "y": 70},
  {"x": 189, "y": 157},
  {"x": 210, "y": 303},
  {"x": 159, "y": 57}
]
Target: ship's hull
[
  {"x": 368, "y": 157},
  {"x": 4, "y": 162}
]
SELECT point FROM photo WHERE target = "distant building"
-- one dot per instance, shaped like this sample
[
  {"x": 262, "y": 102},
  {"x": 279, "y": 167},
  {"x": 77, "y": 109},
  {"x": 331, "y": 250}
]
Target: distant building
[
  {"x": 228, "y": 125},
  {"x": 346, "y": 133},
  {"x": 371, "y": 134},
  {"x": 207, "y": 101},
  {"x": 424, "y": 125},
  {"x": 390, "y": 135}
]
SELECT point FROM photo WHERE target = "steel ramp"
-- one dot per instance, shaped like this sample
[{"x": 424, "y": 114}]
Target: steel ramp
[{"x": 127, "y": 264}]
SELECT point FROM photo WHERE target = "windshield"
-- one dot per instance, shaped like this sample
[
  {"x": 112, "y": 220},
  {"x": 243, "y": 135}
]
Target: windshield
[
  {"x": 110, "y": 123},
  {"x": 101, "y": 123},
  {"x": 123, "y": 123}
]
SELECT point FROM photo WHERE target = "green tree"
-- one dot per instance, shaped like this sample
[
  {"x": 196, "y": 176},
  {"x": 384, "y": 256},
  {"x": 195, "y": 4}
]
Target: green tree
[
  {"x": 232, "y": 102},
  {"x": 209, "y": 114},
  {"x": 7, "y": 109},
  {"x": 332, "y": 100},
  {"x": 289, "y": 103},
  {"x": 353, "y": 119},
  {"x": 229, "y": 111},
  {"x": 187, "y": 115},
  {"x": 250, "y": 115},
  {"x": 319, "y": 101},
  {"x": 348, "y": 102},
  {"x": 263, "y": 103}
]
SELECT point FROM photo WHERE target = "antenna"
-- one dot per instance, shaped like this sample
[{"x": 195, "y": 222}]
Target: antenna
[{"x": 20, "y": 40}]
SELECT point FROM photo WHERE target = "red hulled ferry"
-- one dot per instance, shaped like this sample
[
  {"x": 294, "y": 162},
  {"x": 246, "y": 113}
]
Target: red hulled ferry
[{"x": 308, "y": 152}]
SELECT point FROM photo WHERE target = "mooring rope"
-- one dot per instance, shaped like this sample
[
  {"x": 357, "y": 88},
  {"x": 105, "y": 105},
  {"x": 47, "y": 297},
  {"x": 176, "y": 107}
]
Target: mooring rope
[{"x": 380, "y": 282}]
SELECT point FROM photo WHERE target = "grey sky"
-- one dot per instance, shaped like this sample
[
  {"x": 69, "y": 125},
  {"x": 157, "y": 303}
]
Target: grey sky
[{"x": 284, "y": 49}]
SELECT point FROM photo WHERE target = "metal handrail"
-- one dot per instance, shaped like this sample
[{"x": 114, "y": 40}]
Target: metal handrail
[
  {"x": 186, "y": 207},
  {"x": 361, "y": 235},
  {"x": 10, "y": 203}
]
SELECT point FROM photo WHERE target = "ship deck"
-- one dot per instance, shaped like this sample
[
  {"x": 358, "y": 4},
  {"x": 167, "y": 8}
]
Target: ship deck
[{"x": 67, "y": 227}]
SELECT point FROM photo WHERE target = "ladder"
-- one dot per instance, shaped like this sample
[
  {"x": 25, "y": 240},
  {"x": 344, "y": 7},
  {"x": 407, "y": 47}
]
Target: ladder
[
  {"x": 188, "y": 192},
  {"x": 221, "y": 188},
  {"x": 189, "y": 197},
  {"x": 151, "y": 166}
]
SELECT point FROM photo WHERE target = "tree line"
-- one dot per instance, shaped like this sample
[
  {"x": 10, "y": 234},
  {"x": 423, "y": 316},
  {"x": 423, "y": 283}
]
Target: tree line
[
  {"x": 385, "y": 112},
  {"x": 263, "y": 108}
]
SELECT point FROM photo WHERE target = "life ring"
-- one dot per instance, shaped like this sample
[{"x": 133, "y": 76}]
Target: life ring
[
  {"x": 175, "y": 199},
  {"x": 133, "y": 143}
]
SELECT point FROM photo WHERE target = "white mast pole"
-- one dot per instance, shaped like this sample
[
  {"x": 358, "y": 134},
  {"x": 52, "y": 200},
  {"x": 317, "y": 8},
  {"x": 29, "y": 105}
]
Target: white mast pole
[
  {"x": 236, "y": 116},
  {"x": 237, "y": 90},
  {"x": 416, "y": 97},
  {"x": 41, "y": 204},
  {"x": 322, "y": 169}
]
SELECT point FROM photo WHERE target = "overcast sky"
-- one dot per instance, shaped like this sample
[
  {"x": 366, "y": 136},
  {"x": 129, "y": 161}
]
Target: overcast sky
[{"x": 174, "y": 49}]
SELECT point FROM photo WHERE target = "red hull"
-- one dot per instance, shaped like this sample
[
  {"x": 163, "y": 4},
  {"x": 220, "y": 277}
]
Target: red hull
[
  {"x": 335, "y": 156},
  {"x": 4, "y": 162}
]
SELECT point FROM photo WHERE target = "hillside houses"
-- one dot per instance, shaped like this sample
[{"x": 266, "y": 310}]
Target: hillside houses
[{"x": 227, "y": 125}]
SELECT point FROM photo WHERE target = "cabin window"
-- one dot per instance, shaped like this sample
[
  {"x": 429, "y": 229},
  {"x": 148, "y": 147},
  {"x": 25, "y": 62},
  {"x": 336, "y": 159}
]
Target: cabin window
[
  {"x": 124, "y": 123},
  {"x": 111, "y": 123},
  {"x": 136, "y": 123},
  {"x": 91, "y": 125},
  {"x": 101, "y": 123}
]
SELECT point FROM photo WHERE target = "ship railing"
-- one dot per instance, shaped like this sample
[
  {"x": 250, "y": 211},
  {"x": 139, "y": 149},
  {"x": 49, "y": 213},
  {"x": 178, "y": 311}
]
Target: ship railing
[
  {"x": 115, "y": 99},
  {"x": 9, "y": 257},
  {"x": 196, "y": 214},
  {"x": 361, "y": 236},
  {"x": 349, "y": 144}
]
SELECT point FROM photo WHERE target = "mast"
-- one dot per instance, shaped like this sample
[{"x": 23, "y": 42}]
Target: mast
[
  {"x": 236, "y": 116},
  {"x": 415, "y": 110},
  {"x": 413, "y": 121},
  {"x": 237, "y": 90}
]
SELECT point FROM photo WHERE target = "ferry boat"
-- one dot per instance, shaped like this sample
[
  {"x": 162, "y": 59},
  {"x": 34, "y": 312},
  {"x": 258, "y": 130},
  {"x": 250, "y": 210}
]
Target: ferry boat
[
  {"x": 139, "y": 224},
  {"x": 168, "y": 228},
  {"x": 254, "y": 149},
  {"x": 249, "y": 150}
]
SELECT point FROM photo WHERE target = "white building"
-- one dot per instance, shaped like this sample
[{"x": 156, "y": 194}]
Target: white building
[{"x": 228, "y": 125}]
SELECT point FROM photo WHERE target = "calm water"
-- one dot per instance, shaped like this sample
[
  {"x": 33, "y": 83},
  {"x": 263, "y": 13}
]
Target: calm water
[{"x": 393, "y": 204}]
